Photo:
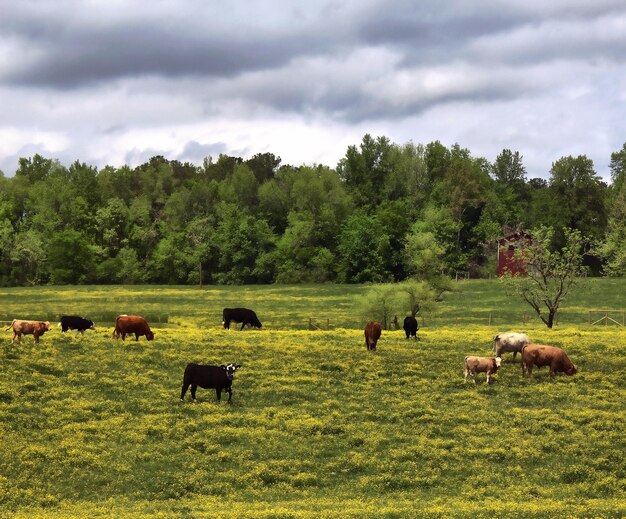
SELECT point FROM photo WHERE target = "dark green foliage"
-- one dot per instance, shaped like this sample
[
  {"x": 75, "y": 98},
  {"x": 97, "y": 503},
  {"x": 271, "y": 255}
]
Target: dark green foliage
[{"x": 384, "y": 213}]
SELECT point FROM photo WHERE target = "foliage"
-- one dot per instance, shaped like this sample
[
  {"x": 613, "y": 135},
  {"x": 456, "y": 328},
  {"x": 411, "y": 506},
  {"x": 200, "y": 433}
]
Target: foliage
[
  {"x": 550, "y": 272},
  {"x": 412, "y": 202}
]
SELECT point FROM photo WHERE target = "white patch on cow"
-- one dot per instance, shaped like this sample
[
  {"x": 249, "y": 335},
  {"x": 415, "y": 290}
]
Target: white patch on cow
[{"x": 498, "y": 361}]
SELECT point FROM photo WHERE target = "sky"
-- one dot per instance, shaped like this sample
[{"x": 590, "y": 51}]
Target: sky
[{"x": 116, "y": 82}]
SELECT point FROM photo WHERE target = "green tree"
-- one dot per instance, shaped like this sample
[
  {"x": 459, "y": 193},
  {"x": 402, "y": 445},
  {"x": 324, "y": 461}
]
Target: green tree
[
  {"x": 70, "y": 258},
  {"x": 366, "y": 170},
  {"x": 551, "y": 272},
  {"x": 613, "y": 247},
  {"x": 362, "y": 249},
  {"x": 577, "y": 197}
]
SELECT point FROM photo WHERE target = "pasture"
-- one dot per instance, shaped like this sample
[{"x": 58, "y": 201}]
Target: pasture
[{"x": 318, "y": 426}]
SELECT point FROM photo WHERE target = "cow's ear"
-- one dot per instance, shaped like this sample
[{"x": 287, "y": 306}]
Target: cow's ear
[
  {"x": 222, "y": 366},
  {"x": 237, "y": 366}
]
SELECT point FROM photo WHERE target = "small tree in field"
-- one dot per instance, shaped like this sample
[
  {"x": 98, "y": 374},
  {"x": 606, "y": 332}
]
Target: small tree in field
[{"x": 550, "y": 273}]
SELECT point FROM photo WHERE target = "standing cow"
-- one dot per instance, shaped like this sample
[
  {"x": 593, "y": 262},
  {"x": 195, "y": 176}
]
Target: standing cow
[
  {"x": 240, "y": 315},
  {"x": 541, "y": 355},
  {"x": 218, "y": 377},
  {"x": 127, "y": 324},
  {"x": 372, "y": 334},
  {"x": 34, "y": 328},
  {"x": 488, "y": 365},
  {"x": 509, "y": 342},
  {"x": 410, "y": 327},
  {"x": 76, "y": 322}
]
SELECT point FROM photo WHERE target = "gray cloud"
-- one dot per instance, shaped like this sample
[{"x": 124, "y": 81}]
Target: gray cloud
[{"x": 109, "y": 84}]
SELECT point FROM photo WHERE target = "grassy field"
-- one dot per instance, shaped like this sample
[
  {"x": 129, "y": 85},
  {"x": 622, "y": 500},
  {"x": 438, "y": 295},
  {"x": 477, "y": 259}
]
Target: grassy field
[{"x": 318, "y": 427}]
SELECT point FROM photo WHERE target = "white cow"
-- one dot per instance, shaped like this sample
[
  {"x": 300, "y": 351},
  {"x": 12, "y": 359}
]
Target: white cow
[{"x": 507, "y": 342}]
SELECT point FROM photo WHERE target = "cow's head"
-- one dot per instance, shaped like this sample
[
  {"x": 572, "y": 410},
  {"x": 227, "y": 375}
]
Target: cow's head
[
  {"x": 150, "y": 335},
  {"x": 46, "y": 326},
  {"x": 230, "y": 370},
  {"x": 93, "y": 325},
  {"x": 571, "y": 371},
  {"x": 498, "y": 362},
  {"x": 257, "y": 323}
]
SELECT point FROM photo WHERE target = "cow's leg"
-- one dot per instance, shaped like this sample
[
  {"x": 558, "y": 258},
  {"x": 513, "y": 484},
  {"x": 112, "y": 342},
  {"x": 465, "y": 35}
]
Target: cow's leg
[
  {"x": 123, "y": 336},
  {"x": 514, "y": 355},
  {"x": 243, "y": 325},
  {"x": 466, "y": 374},
  {"x": 218, "y": 392},
  {"x": 193, "y": 391},
  {"x": 137, "y": 337},
  {"x": 35, "y": 339},
  {"x": 184, "y": 390}
]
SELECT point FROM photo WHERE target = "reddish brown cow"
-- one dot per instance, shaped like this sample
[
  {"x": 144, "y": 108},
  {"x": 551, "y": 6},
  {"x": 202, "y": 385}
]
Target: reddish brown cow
[
  {"x": 372, "y": 334},
  {"x": 127, "y": 324},
  {"x": 34, "y": 328},
  {"x": 542, "y": 355}
]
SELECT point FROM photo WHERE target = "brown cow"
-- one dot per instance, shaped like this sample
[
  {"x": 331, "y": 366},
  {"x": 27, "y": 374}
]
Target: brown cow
[
  {"x": 34, "y": 328},
  {"x": 473, "y": 365},
  {"x": 542, "y": 355},
  {"x": 132, "y": 324},
  {"x": 372, "y": 334}
]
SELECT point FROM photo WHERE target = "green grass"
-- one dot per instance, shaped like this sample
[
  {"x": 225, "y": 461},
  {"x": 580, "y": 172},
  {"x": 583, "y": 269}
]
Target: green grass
[{"x": 318, "y": 427}]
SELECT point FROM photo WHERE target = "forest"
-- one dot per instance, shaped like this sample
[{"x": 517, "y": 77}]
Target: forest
[{"x": 383, "y": 211}]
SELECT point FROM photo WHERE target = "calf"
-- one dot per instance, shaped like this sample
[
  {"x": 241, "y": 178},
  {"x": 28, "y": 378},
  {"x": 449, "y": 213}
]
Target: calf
[
  {"x": 34, "y": 328},
  {"x": 240, "y": 315},
  {"x": 509, "y": 342},
  {"x": 372, "y": 334},
  {"x": 218, "y": 377},
  {"x": 473, "y": 365},
  {"x": 76, "y": 322},
  {"x": 542, "y": 355},
  {"x": 410, "y": 327}
]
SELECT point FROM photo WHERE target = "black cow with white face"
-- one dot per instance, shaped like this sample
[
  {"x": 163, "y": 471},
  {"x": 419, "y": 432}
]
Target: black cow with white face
[
  {"x": 240, "y": 315},
  {"x": 76, "y": 322},
  {"x": 410, "y": 327},
  {"x": 218, "y": 377}
]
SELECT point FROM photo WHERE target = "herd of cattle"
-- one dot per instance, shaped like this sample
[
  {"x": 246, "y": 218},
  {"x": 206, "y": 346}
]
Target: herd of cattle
[{"x": 221, "y": 377}]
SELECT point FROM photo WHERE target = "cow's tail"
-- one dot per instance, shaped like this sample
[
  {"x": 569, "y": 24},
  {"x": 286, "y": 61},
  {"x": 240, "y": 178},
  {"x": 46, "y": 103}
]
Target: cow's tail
[{"x": 10, "y": 326}]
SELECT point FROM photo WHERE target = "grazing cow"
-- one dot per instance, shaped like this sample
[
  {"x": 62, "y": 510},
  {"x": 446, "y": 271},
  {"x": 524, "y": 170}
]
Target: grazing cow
[
  {"x": 473, "y": 365},
  {"x": 127, "y": 324},
  {"x": 542, "y": 355},
  {"x": 410, "y": 327},
  {"x": 372, "y": 334},
  {"x": 34, "y": 328},
  {"x": 507, "y": 342},
  {"x": 76, "y": 322},
  {"x": 240, "y": 315},
  {"x": 218, "y": 377}
]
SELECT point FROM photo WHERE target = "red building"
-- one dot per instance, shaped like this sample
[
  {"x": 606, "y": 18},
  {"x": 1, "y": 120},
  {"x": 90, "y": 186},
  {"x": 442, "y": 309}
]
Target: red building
[{"x": 507, "y": 262}]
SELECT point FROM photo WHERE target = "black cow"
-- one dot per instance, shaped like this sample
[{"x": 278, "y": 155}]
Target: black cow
[
  {"x": 240, "y": 315},
  {"x": 410, "y": 327},
  {"x": 76, "y": 322},
  {"x": 218, "y": 377}
]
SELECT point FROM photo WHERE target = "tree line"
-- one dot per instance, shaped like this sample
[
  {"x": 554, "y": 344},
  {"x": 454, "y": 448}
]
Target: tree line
[{"x": 386, "y": 212}]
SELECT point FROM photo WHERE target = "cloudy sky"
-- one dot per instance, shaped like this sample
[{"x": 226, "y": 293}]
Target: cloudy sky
[{"x": 116, "y": 82}]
